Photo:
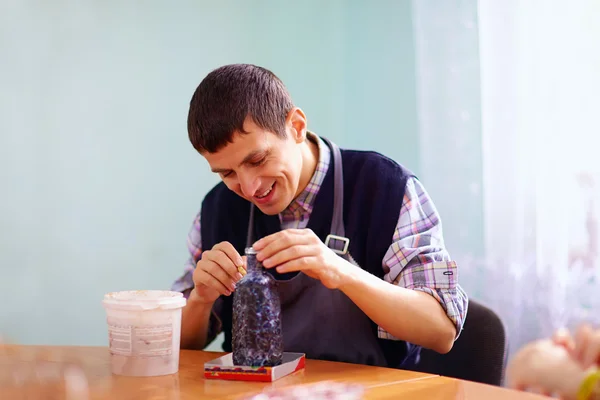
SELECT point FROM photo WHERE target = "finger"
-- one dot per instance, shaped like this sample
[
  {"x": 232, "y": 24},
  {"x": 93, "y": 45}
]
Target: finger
[
  {"x": 288, "y": 254},
  {"x": 231, "y": 252},
  {"x": 264, "y": 242},
  {"x": 260, "y": 244},
  {"x": 591, "y": 354},
  {"x": 224, "y": 261},
  {"x": 203, "y": 279},
  {"x": 285, "y": 239},
  {"x": 218, "y": 273},
  {"x": 299, "y": 264},
  {"x": 581, "y": 339}
]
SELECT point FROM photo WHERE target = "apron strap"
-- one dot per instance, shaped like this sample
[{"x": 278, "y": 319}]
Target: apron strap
[
  {"x": 250, "y": 234},
  {"x": 338, "y": 233}
]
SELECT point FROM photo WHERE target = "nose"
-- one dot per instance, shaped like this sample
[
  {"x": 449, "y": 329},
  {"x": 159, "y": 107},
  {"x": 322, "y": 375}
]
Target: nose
[{"x": 248, "y": 184}]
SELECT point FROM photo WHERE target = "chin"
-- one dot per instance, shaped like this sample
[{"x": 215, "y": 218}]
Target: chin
[{"x": 273, "y": 209}]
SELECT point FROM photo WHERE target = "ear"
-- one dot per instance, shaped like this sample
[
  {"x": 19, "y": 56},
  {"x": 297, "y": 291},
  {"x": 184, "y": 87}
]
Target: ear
[{"x": 296, "y": 124}]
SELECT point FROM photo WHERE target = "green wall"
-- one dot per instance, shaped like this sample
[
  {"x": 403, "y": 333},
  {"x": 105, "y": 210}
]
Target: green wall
[{"x": 99, "y": 183}]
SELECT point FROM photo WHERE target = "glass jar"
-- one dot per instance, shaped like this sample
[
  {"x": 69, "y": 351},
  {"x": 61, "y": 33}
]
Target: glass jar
[{"x": 256, "y": 330}]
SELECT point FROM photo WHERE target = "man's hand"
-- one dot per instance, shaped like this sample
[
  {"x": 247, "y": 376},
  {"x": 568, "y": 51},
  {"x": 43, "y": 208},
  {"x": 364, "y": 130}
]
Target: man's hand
[
  {"x": 301, "y": 250},
  {"x": 217, "y": 273},
  {"x": 407, "y": 314}
]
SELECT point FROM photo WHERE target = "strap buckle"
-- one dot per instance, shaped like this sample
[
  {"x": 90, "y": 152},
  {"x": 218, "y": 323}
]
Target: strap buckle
[{"x": 345, "y": 240}]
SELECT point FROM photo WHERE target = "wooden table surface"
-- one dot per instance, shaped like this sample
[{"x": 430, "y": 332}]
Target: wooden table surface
[
  {"x": 442, "y": 388},
  {"x": 189, "y": 383}
]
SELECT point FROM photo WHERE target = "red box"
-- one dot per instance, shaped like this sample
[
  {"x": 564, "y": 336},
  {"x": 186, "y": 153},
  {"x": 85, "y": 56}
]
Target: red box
[{"x": 223, "y": 368}]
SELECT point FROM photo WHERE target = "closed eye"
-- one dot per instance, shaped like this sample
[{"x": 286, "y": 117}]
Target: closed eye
[{"x": 258, "y": 163}]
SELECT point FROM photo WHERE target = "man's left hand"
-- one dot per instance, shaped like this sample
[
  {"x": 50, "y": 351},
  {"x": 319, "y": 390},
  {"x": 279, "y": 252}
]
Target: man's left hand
[{"x": 301, "y": 250}]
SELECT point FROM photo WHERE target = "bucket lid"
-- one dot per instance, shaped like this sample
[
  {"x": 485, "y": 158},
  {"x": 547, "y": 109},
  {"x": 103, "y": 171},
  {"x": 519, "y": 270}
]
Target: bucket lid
[{"x": 144, "y": 300}]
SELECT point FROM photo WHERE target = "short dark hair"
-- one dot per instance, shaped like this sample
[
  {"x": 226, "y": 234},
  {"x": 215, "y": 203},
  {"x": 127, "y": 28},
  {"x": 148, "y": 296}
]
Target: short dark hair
[{"x": 230, "y": 94}]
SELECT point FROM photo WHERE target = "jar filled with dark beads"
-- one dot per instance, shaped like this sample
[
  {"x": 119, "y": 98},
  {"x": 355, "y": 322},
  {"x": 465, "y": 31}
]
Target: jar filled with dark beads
[{"x": 256, "y": 330}]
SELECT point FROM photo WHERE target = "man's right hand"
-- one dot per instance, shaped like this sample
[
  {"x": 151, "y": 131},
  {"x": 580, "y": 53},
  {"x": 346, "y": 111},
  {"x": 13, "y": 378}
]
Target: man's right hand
[{"x": 217, "y": 272}]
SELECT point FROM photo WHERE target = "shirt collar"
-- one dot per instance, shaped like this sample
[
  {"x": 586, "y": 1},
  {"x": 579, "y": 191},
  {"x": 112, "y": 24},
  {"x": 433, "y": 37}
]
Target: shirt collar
[{"x": 303, "y": 204}]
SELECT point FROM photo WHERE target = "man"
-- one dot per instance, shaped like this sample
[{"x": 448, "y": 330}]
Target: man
[{"x": 394, "y": 290}]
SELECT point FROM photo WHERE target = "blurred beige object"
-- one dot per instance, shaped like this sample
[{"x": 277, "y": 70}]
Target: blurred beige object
[
  {"x": 326, "y": 390},
  {"x": 40, "y": 373}
]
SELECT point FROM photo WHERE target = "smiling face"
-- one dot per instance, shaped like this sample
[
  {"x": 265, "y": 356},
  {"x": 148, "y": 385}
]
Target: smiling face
[{"x": 264, "y": 168}]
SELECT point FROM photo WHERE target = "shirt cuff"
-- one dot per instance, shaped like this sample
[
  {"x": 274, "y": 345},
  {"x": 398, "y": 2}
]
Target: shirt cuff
[
  {"x": 186, "y": 281},
  {"x": 439, "y": 279}
]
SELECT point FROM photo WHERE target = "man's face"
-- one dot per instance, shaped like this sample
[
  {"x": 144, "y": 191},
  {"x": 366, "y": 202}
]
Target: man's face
[{"x": 260, "y": 167}]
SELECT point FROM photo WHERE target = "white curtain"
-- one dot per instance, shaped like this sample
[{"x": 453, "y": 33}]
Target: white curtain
[{"x": 538, "y": 79}]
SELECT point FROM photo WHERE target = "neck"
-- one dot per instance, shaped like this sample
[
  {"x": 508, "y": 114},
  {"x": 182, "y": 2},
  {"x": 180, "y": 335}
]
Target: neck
[
  {"x": 252, "y": 263},
  {"x": 310, "y": 158}
]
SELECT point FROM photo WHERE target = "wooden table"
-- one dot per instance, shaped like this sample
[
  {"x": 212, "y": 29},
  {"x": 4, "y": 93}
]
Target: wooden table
[
  {"x": 441, "y": 388},
  {"x": 189, "y": 383}
]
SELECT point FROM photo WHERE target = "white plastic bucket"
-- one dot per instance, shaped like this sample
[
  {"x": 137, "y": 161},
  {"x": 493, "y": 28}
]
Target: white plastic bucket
[{"x": 144, "y": 329}]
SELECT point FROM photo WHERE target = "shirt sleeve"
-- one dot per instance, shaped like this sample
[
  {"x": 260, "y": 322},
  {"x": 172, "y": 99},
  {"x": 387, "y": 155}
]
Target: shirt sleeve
[
  {"x": 185, "y": 283},
  {"x": 417, "y": 258}
]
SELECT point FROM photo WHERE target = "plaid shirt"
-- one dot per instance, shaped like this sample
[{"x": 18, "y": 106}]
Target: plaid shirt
[{"x": 416, "y": 258}]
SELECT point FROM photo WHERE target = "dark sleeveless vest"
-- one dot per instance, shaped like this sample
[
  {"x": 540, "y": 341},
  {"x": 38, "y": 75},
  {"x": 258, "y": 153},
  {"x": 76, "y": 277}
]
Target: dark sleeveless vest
[{"x": 323, "y": 323}]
